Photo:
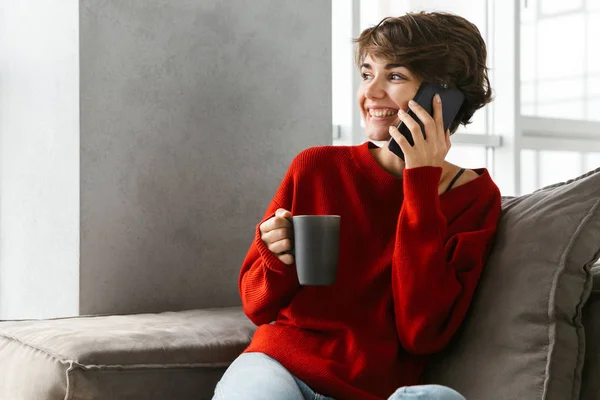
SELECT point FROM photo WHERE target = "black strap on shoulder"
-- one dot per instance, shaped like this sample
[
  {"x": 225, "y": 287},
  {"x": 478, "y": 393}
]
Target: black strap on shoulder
[{"x": 462, "y": 170}]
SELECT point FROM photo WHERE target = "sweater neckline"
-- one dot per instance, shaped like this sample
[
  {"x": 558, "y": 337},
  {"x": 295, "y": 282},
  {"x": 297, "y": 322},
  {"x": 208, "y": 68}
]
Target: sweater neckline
[{"x": 367, "y": 164}]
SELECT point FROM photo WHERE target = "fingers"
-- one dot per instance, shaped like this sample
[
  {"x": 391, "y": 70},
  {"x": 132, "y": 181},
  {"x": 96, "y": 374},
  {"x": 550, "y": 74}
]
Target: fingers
[
  {"x": 401, "y": 140},
  {"x": 287, "y": 259},
  {"x": 412, "y": 126},
  {"x": 277, "y": 234},
  {"x": 276, "y": 222},
  {"x": 280, "y": 243},
  {"x": 428, "y": 122},
  {"x": 430, "y": 151},
  {"x": 438, "y": 115},
  {"x": 283, "y": 213},
  {"x": 280, "y": 246}
]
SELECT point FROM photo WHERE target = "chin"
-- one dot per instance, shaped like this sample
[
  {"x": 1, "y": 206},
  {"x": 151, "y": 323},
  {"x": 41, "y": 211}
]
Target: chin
[{"x": 378, "y": 136}]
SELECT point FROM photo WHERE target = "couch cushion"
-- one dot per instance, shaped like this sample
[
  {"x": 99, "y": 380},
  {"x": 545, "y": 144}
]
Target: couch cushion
[
  {"x": 523, "y": 337},
  {"x": 174, "y": 355},
  {"x": 590, "y": 383}
]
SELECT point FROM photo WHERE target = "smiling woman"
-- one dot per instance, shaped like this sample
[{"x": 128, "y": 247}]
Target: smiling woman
[
  {"x": 413, "y": 238},
  {"x": 395, "y": 57}
]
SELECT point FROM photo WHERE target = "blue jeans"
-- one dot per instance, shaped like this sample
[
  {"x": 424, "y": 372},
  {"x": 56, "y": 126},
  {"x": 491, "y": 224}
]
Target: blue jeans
[{"x": 256, "y": 376}]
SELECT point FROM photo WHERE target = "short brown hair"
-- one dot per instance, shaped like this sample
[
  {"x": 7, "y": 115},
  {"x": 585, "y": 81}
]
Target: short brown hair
[{"x": 436, "y": 47}]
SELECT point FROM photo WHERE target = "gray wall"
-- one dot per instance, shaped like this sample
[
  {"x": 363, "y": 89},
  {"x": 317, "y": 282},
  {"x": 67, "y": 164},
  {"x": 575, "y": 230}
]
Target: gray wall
[
  {"x": 39, "y": 158},
  {"x": 191, "y": 112}
]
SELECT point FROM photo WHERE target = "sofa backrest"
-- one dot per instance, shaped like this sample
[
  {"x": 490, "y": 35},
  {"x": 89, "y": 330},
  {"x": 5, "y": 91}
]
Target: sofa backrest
[
  {"x": 523, "y": 337},
  {"x": 590, "y": 384}
]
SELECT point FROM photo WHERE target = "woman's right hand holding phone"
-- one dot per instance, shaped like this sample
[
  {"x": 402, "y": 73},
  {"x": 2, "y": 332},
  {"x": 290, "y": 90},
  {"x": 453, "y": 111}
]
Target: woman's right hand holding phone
[{"x": 277, "y": 234}]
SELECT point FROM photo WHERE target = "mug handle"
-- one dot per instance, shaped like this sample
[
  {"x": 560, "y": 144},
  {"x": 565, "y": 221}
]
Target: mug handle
[{"x": 292, "y": 252}]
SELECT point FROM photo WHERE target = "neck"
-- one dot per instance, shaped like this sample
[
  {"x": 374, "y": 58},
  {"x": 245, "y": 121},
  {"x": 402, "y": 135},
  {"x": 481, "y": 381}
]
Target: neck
[
  {"x": 390, "y": 162},
  {"x": 393, "y": 164}
]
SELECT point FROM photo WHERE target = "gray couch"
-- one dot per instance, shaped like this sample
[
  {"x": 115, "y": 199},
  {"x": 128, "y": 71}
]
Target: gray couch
[{"x": 529, "y": 334}]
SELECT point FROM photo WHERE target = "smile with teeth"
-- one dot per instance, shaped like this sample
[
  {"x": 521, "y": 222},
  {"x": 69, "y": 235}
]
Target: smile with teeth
[{"x": 382, "y": 112}]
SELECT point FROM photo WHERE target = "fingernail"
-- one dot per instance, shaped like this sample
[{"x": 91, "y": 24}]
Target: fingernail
[
  {"x": 391, "y": 128},
  {"x": 400, "y": 111},
  {"x": 438, "y": 98},
  {"x": 412, "y": 102}
]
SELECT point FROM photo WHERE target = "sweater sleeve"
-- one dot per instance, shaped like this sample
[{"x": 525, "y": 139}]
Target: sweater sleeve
[
  {"x": 436, "y": 265},
  {"x": 265, "y": 283}
]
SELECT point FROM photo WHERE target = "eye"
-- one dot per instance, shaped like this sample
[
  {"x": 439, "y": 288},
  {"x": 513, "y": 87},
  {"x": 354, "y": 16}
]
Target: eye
[
  {"x": 397, "y": 77},
  {"x": 365, "y": 76}
]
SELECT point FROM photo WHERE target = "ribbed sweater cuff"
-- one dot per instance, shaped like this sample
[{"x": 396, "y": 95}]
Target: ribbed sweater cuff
[{"x": 421, "y": 184}]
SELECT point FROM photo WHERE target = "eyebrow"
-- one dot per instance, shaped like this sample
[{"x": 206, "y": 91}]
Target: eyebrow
[{"x": 387, "y": 66}]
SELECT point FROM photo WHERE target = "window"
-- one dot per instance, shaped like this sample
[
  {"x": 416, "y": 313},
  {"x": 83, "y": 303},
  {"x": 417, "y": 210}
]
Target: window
[
  {"x": 546, "y": 167},
  {"x": 544, "y": 124},
  {"x": 560, "y": 90},
  {"x": 560, "y": 64}
]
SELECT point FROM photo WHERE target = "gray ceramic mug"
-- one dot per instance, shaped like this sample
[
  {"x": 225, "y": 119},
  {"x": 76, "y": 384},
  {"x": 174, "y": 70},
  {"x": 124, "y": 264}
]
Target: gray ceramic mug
[{"x": 316, "y": 248}]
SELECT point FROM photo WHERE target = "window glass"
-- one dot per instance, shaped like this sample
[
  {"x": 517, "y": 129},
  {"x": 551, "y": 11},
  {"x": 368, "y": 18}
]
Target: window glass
[
  {"x": 528, "y": 171},
  {"x": 560, "y": 73},
  {"x": 554, "y": 6},
  {"x": 558, "y": 166},
  {"x": 467, "y": 156}
]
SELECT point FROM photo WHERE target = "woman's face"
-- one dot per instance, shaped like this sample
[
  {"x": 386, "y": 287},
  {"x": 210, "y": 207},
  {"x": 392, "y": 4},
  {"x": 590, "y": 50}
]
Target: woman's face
[{"x": 385, "y": 88}]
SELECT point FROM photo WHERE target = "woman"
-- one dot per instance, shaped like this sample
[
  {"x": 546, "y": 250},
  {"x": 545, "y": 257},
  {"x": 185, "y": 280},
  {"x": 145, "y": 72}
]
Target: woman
[{"x": 414, "y": 236}]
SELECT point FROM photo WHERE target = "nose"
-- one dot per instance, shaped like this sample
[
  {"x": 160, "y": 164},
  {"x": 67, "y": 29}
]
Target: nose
[{"x": 374, "y": 89}]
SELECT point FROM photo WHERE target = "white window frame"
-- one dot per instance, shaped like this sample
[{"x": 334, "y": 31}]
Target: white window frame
[{"x": 504, "y": 61}]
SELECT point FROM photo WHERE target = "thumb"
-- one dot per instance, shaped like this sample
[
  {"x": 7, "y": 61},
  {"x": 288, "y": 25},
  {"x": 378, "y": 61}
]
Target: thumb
[{"x": 283, "y": 213}]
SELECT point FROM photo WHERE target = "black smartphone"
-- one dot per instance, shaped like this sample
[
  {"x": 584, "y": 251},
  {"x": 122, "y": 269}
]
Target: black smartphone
[{"x": 452, "y": 100}]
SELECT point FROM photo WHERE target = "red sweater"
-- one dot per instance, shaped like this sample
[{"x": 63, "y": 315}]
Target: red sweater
[{"x": 409, "y": 263}]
